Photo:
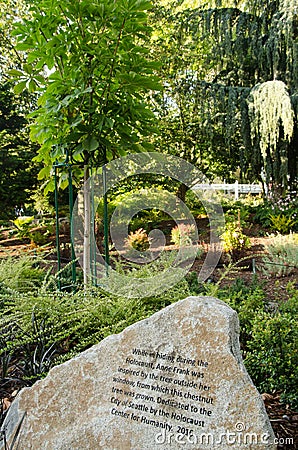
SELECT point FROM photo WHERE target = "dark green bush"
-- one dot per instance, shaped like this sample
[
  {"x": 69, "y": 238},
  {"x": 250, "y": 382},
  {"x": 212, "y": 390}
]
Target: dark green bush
[
  {"x": 271, "y": 355},
  {"x": 269, "y": 338}
]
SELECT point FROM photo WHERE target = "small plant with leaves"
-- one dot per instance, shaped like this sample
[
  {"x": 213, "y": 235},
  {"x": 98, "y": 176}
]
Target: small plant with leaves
[
  {"x": 183, "y": 234},
  {"x": 138, "y": 240},
  {"x": 234, "y": 240},
  {"x": 37, "y": 237},
  {"x": 241, "y": 215},
  {"x": 39, "y": 352},
  {"x": 282, "y": 223},
  {"x": 24, "y": 225}
]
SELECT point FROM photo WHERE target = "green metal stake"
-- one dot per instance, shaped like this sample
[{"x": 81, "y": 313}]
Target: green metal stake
[
  {"x": 57, "y": 227},
  {"x": 93, "y": 238},
  {"x": 105, "y": 220},
  {"x": 73, "y": 257}
]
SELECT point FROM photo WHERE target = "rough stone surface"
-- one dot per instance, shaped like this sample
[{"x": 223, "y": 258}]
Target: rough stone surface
[{"x": 173, "y": 381}]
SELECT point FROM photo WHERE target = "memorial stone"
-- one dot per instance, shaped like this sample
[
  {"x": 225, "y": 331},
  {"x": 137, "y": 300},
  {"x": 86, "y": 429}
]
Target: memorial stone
[{"x": 173, "y": 381}]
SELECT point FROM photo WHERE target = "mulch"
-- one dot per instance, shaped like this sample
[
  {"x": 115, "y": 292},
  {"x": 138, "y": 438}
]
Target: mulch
[{"x": 284, "y": 421}]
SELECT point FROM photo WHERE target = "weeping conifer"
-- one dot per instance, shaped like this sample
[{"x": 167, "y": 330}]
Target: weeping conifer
[{"x": 245, "y": 81}]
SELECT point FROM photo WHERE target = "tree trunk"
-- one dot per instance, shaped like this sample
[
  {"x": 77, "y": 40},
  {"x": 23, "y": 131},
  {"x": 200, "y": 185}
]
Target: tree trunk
[
  {"x": 87, "y": 227},
  {"x": 182, "y": 192}
]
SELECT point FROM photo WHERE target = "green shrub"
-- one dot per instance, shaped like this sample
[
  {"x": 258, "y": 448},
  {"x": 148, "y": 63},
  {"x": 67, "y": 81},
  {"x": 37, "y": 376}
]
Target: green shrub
[
  {"x": 269, "y": 338},
  {"x": 24, "y": 225},
  {"x": 38, "y": 237},
  {"x": 20, "y": 274},
  {"x": 246, "y": 204},
  {"x": 234, "y": 240},
  {"x": 271, "y": 355},
  {"x": 282, "y": 256},
  {"x": 247, "y": 301},
  {"x": 38, "y": 331},
  {"x": 159, "y": 275},
  {"x": 278, "y": 211},
  {"x": 138, "y": 240},
  {"x": 281, "y": 223}
]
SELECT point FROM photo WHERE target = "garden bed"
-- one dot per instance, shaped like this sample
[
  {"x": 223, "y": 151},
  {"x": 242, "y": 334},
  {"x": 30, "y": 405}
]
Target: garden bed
[{"x": 247, "y": 271}]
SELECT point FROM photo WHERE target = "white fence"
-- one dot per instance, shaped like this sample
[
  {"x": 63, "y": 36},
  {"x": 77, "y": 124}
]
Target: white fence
[{"x": 228, "y": 188}]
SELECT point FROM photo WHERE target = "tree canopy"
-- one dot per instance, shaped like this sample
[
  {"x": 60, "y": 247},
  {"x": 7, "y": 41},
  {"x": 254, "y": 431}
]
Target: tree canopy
[
  {"x": 228, "y": 68},
  {"x": 230, "y": 71},
  {"x": 91, "y": 67}
]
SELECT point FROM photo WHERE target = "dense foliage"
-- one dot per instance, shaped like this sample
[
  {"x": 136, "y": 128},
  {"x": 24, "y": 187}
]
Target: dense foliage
[
  {"x": 230, "y": 77},
  {"x": 40, "y": 330},
  {"x": 269, "y": 337},
  {"x": 18, "y": 172},
  {"x": 90, "y": 65}
]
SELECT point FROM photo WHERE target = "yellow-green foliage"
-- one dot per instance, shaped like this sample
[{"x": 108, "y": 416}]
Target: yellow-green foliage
[
  {"x": 281, "y": 223},
  {"x": 234, "y": 239},
  {"x": 138, "y": 240},
  {"x": 269, "y": 107}
]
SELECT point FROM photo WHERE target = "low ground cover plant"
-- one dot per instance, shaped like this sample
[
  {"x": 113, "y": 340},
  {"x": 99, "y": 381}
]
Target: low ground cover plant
[
  {"x": 21, "y": 274},
  {"x": 281, "y": 255}
]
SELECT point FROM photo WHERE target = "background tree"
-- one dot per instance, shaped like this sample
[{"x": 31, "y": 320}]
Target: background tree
[
  {"x": 10, "y": 12},
  {"x": 18, "y": 172},
  {"x": 18, "y": 175},
  {"x": 217, "y": 61},
  {"x": 189, "y": 122}
]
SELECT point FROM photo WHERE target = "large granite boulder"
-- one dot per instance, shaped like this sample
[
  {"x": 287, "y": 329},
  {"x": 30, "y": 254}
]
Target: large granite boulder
[{"x": 174, "y": 380}]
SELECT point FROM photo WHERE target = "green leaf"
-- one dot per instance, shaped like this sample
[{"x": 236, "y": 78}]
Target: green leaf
[
  {"x": 20, "y": 87},
  {"x": 28, "y": 68},
  {"x": 49, "y": 187},
  {"x": 90, "y": 144},
  {"x": 15, "y": 73},
  {"x": 33, "y": 56},
  {"x": 44, "y": 173},
  {"x": 109, "y": 122},
  {"x": 32, "y": 86},
  {"x": 24, "y": 47}
]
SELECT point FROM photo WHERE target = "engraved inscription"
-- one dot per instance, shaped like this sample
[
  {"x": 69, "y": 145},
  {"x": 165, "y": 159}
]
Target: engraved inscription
[{"x": 163, "y": 390}]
